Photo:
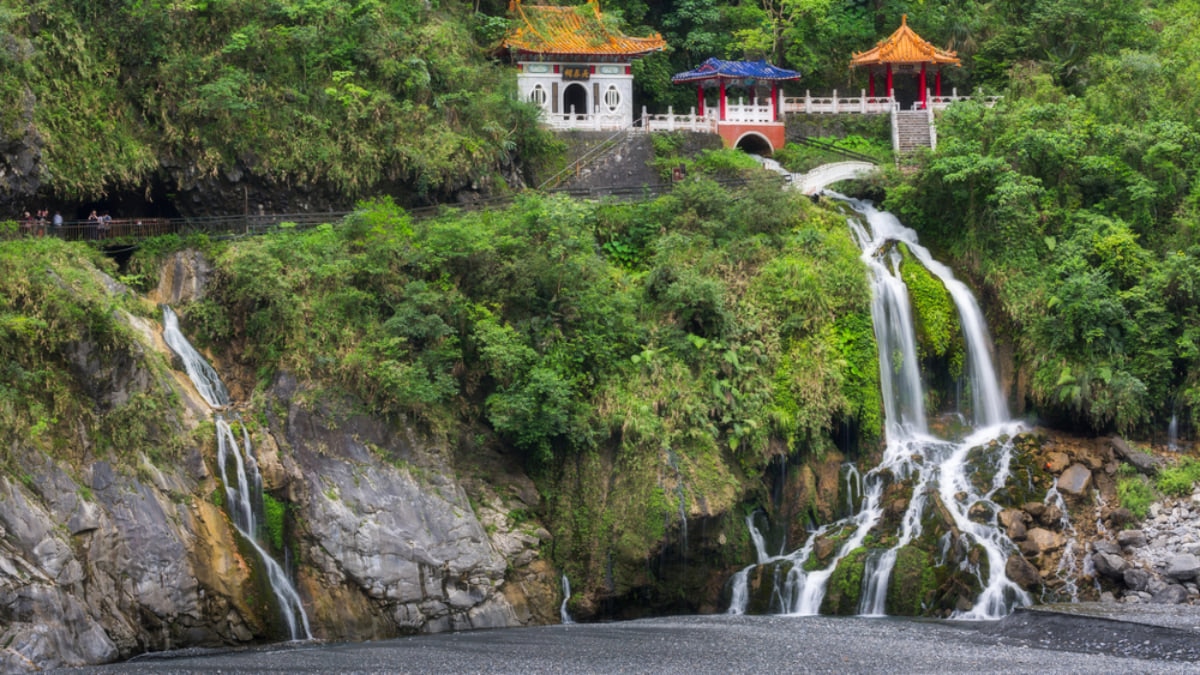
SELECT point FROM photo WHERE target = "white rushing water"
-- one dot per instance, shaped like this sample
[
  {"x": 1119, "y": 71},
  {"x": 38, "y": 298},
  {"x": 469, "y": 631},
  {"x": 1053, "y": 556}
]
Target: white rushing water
[
  {"x": 207, "y": 382},
  {"x": 243, "y": 485},
  {"x": 937, "y": 468},
  {"x": 562, "y": 610}
]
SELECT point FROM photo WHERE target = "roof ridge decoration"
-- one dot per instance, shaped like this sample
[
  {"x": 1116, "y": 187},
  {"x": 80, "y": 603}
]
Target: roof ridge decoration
[
  {"x": 573, "y": 30},
  {"x": 904, "y": 47}
]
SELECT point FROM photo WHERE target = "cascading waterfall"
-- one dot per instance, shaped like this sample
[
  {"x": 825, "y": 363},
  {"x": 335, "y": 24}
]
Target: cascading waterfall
[
  {"x": 207, "y": 382},
  {"x": 939, "y": 469},
  {"x": 1173, "y": 434},
  {"x": 563, "y": 614},
  {"x": 243, "y": 488},
  {"x": 1067, "y": 563}
]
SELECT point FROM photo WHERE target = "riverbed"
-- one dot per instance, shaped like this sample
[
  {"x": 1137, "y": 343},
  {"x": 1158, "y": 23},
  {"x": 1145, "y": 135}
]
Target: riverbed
[{"x": 1092, "y": 639}]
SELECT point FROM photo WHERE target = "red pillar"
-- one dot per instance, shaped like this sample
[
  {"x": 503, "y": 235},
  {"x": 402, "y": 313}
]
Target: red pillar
[
  {"x": 775, "y": 101},
  {"x": 700, "y": 99},
  {"x": 722, "y": 100},
  {"x": 937, "y": 83},
  {"x": 922, "y": 96},
  {"x": 870, "y": 83},
  {"x": 889, "y": 81}
]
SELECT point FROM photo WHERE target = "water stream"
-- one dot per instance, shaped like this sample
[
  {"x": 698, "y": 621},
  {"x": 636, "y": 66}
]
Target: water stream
[
  {"x": 242, "y": 481},
  {"x": 562, "y": 610},
  {"x": 941, "y": 469}
]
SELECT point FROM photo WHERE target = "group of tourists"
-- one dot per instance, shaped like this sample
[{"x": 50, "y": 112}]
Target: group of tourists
[{"x": 35, "y": 225}]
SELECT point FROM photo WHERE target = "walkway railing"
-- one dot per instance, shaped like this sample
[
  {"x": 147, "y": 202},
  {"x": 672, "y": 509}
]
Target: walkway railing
[
  {"x": 675, "y": 122},
  {"x": 871, "y": 105},
  {"x": 832, "y": 105},
  {"x": 124, "y": 229},
  {"x": 586, "y": 121}
]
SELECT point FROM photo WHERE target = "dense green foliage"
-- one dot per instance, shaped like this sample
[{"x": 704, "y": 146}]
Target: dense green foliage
[
  {"x": 681, "y": 342},
  {"x": 68, "y": 357},
  {"x": 1074, "y": 205},
  {"x": 354, "y": 94}
]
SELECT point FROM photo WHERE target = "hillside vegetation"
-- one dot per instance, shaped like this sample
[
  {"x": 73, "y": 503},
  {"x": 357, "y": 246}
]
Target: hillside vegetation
[{"x": 350, "y": 94}]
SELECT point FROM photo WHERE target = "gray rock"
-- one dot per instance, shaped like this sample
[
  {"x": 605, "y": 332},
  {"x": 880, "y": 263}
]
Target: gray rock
[
  {"x": 1107, "y": 597},
  {"x": 1131, "y": 538},
  {"x": 1141, "y": 461},
  {"x": 1172, "y": 594},
  {"x": 1136, "y": 578},
  {"x": 1102, "y": 546},
  {"x": 1076, "y": 480},
  {"x": 1110, "y": 565},
  {"x": 1021, "y": 572},
  {"x": 1183, "y": 567}
]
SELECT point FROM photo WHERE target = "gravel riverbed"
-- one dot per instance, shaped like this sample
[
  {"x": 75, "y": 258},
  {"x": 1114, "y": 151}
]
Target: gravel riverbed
[{"x": 1029, "y": 641}]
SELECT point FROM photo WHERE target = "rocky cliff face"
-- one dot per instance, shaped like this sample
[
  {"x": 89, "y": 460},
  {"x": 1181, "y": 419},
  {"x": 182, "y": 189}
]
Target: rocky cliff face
[{"x": 103, "y": 558}]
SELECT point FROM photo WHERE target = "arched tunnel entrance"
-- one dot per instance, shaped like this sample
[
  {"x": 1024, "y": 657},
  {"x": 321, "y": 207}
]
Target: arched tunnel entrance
[{"x": 755, "y": 144}]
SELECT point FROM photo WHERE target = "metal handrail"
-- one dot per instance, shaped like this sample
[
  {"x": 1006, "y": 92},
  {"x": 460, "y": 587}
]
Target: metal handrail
[
  {"x": 830, "y": 147},
  {"x": 591, "y": 155}
]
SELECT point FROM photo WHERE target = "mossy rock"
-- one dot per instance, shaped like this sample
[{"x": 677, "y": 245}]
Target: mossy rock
[
  {"x": 914, "y": 583},
  {"x": 845, "y": 584}
]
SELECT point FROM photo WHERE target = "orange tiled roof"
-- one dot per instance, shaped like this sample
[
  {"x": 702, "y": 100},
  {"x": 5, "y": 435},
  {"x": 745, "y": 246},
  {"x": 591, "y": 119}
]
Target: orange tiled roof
[
  {"x": 576, "y": 29},
  {"x": 904, "y": 46}
]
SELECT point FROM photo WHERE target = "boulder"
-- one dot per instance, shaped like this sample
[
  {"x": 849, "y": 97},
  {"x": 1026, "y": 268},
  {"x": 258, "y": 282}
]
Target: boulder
[
  {"x": 1131, "y": 538},
  {"x": 1056, "y": 462},
  {"x": 1140, "y": 460},
  {"x": 1013, "y": 522},
  {"x": 1021, "y": 572},
  {"x": 1136, "y": 578},
  {"x": 1120, "y": 517},
  {"x": 1183, "y": 567},
  {"x": 1051, "y": 516},
  {"x": 1102, "y": 546},
  {"x": 1172, "y": 594},
  {"x": 1039, "y": 541},
  {"x": 1110, "y": 565},
  {"x": 1076, "y": 480}
]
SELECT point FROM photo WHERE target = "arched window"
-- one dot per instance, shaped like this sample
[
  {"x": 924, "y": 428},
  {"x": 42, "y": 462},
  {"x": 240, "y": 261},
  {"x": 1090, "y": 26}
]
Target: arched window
[
  {"x": 612, "y": 98},
  {"x": 538, "y": 96}
]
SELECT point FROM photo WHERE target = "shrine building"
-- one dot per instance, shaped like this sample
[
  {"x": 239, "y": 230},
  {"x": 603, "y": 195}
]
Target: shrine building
[
  {"x": 905, "y": 53},
  {"x": 574, "y": 65},
  {"x": 754, "y": 122}
]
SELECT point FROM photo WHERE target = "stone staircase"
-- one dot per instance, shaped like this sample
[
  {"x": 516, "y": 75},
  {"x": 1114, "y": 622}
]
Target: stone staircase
[{"x": 911, "y": 131}]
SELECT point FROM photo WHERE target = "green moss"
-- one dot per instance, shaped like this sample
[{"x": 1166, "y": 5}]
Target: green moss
[
  {"x": 938, "y": 331},
  {"x": 274, "y": 512},
  {"x": 913, "y": 583},
  {"x": 845, "y": 584}
]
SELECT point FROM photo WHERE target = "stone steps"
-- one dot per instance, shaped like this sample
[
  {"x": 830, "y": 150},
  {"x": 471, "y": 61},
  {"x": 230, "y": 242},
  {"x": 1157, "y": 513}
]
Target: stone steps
[{"x": 913, "y": 128}]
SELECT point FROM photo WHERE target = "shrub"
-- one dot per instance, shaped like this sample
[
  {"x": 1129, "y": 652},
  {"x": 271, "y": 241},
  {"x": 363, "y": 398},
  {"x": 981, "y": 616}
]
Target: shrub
[
  {"x": 1135, "y": 494},
  {"x": 1177, "y": 481}
]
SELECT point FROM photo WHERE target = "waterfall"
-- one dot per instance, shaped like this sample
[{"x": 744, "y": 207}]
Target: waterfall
[
  {"x": 938, "y": 469},
  {"x": 1173, "y": 434},
  {"x": 207, "y": 382},
  {"x": 562, "y": 610},
  {"x": 243, "y": 486}
]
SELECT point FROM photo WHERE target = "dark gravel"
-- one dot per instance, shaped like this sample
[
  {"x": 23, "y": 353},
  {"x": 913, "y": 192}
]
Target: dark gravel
[{"x": 1026, "y": 642}]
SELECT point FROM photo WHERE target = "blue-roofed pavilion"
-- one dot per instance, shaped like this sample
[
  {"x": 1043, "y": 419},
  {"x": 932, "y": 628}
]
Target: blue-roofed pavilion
[
  {"x": 742, "y": 122},
  {"x": 747, "y": 74}
]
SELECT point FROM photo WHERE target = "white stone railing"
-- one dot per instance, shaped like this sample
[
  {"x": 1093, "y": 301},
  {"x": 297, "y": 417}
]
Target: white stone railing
[
  {"x": 752, "y": 113},
  {"x": 942, "y": 102},
  {"x": 829, "y": 105},
  {"x": 678, "y": 122},
  {"x": 587, "y": 122}
]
